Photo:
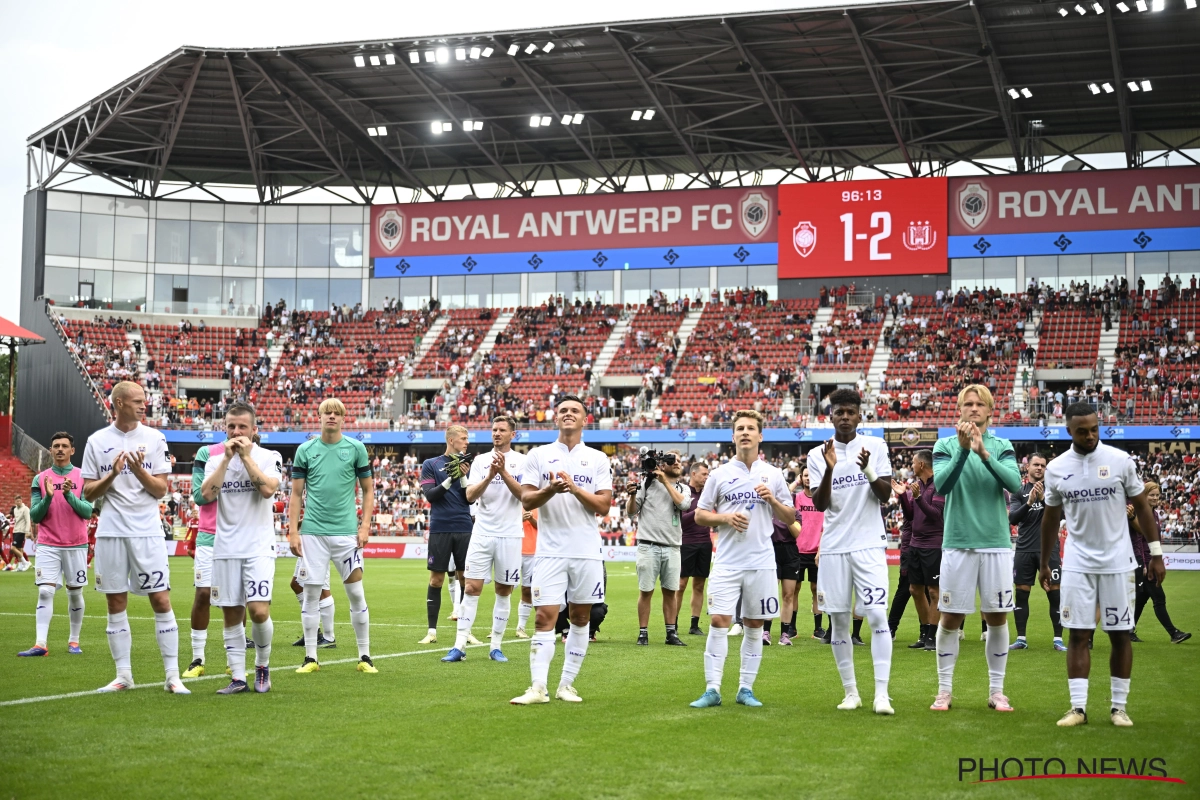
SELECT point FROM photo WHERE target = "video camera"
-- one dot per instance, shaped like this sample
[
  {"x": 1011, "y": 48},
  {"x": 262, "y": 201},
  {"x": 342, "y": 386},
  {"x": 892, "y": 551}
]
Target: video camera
[{"x": 653, "y": 459}]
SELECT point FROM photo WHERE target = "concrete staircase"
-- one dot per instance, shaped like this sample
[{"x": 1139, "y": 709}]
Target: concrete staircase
[
  {"x": 879, "y": 363},
  {"x": 686, "y": 328},
  {"x": 824, "y": 317},
  {"x": 611, "y": 345},
  {"x": 485, "y": 347},
  {"x": 1108, "y": 351},
  {"x": 1019, "y": 396}
]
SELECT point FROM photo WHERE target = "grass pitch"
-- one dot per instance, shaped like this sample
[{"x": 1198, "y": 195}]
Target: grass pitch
[{"x": 422, "y": 728}]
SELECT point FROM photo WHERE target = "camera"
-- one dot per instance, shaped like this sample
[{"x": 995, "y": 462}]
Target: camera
[{"x": 653, "y": 459}]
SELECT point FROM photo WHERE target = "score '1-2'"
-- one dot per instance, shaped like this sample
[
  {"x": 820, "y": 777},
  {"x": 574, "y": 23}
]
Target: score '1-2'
[{"x": 881, "y": 220}]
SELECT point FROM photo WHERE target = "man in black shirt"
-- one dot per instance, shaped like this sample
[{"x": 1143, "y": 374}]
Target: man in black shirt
[
  {"x": 1025, "y": 511},
  {"x": 443, "y": 482}
]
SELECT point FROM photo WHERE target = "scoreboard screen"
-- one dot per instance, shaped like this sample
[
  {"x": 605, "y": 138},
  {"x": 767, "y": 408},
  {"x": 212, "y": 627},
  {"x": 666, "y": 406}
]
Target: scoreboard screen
[{"x": 884, "y": 227}]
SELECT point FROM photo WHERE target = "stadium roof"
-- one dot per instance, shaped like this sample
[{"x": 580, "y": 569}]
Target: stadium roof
[{"x": 812, "y": 92}]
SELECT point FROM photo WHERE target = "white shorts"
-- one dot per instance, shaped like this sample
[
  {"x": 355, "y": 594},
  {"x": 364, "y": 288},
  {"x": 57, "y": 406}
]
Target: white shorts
[
  {"x": 1084, "y": 593},
  {"x": 965, "y": 571},
  {"x": 571, "y": 580},
  {"x": 758, "y": 589},
  {"x": 203, "y": 567},
  {"x": 323, "y": 552},
  {"x": 854, "y": 580},
  {"x": 300, "y": 566},
  {"x": 499, "y": 553},
  {"x": 137, "y": 565},
  {"x": 236, "y": 581},
  {"x": 65, "y": 564},
  {"x": 527, "y": 569}
]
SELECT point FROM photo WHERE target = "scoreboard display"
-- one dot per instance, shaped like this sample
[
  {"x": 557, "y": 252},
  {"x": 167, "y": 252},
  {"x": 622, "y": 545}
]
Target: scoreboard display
[{"x": 884, "y": 227}]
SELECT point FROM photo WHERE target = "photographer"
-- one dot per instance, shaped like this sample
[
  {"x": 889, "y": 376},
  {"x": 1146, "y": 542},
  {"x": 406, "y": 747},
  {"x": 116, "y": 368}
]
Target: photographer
[{"x": 659, "y": 501}]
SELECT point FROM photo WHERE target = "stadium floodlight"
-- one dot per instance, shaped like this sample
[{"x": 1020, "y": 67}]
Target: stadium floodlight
[
  {"x": 1141, "y": 5},
  {"x": 460, "y": 54},
  {"x": 1107, "y": 87},
  {"x": 1014, "y": 94},
  {"x": 1080, "y": 9},
  {"x": 414, "y": 57},
  {"x": 359, "y": 61},
  {"x": 549, "y": 46},
  {"x": 474, "y": 52},
  {"x": 577, "y": 119},
  {"x": 436, "y": 127},
  {"x": 468, "y": 125},
  {"x": 430, "y": 56},
  {"x": 1124, "y": 9},
  {"x": 535, "y": 121},
  {"x": 1146, "y": 87},
  {"x": 381, "y": 130},
  {"x": 374, "y": 61},
  {"x": 478, "y": 125},
  {"x": 566, "y": 119},
  {"x": 1190, "y": 3},
  {"x": 487, "y": 52},
  {"x": 372, "y": 132},
  {"x": 1099, "y": 9},
  {"x": 389, "y": 59},
  {"x": 1093, "y": 88},
  {"x": 447, "y": 126},
  {"x": 443, "y": 55},
  {"x": 1158, "y": 5},
  {"x": 649, "y": 115},
  {"x": 636, "y": 115},
  {"x": 1133, "y": 86},
  {"x": 513, "y": 49},
  {"x": 546, "y": 120},
  {"x": 1062, "y": 12},
  {"x": 1026, "y": 93},
  {"x": 529, "y": 48}
]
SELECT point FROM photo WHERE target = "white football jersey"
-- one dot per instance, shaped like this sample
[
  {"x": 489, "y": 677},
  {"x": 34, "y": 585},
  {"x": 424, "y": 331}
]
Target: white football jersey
[
  {"x": 730, "y": 489},
  {"x": 565, "y": 528},
  {"x": 498, "y": 511},
  {"x": 245, "y": 522},
  {"x": 128, "y": 510},
  {"x": 1093, "y": 491},
  {"x": 853, "y": 520}
]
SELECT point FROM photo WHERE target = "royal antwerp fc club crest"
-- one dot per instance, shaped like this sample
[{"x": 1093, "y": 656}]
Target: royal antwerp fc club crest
[
  {"x": 974, "y": 204},
  {"x": 756, "y": 214},
  {"x": 390, "y": 229},
  {"x": 804, "y": 238}
]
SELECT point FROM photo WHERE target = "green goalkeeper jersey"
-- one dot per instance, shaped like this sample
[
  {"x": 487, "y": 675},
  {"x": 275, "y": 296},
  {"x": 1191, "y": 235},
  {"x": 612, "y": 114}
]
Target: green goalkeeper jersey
[{"x": 976, "y": 513}]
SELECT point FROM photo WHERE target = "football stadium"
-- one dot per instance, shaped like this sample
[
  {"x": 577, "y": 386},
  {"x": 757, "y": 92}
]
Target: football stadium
[{"x": 621, "y": 343}]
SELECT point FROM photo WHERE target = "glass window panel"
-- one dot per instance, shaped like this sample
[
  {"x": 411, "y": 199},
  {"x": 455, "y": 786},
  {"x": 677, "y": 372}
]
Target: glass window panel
[
  {"x": 62, "y": 233},
  {"x": 96, "y": 235},
  {"x": 345, "y": 245},
  {"x": 1043, "y": 268},
  {"x": 996, "y": 268},
  {"x": 241, "y": 244},
  {"x": 312, "y": 294},
  {"x": 276, "y": 289},
  {"x": 1184, "y": 262},
  {"x": 164, "y": 292},
  {"x": 129, "y": 291},
  {"x": 478, "y": 291},
  {"x": 1074, "y": 268},
  {"x": 506, "y": 291},
  {"x": 635, "y": 286},
  {"x": 280, "y": 246},
  {"x": 61, "y": 285},
  {"x": 1106, "y": 266},
  {"x": 345, "y": 291},
  {"x": 667, "y": 282},
  {"x": 541, "y": 287},
  {"x": 414, "y": 293},
  {"x": 380, "y": 290},
  {"x": 171, "y": 241},
  {"x": 314, "y": 246},
  {"x": 102, "y": 288},
  {"x": 1151, "y": 268},
  {"x": 130, "y": 239},
  {"x": 693, "y": 279},
  {"x": 764, "y": 276},
  {"x": 204, "y": 295},
  {"x": 206, "y": 243},
  {"x": 731, "y": 277},
  {"x": 238, "y": 294},
  {"x": 599, "y": 283},
  {"x": 452, "y": 291},
  {"x": 571, "y": 285}
]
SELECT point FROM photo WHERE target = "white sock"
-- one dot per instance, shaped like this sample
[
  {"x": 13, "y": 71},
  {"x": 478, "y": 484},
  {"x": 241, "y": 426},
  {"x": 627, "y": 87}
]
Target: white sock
[
  {"x": 262, "y": 633},
  {"x": 751, "y": 657},
  {"x": 199, "y": 640},
  {"x": 466, "y": 617},
  {"x": 881, "y": 648},
  {"x": 360, "y": 618},
  {"x": 452, "y": 585},
  {"x": 523, "y": 612},
  {"x": 120, "y": 641},
  {"x": 843, "y": 650},
  {"x": 1120, "y": 692},
  {"x": 43, "y": 613},
  {"x": 947, "y": 654},
  {"x": 326, "y": 607},
  {"x": 310, "y": 617},
  {"x": 997, "y": 656},
  {"x": 75, "y": 606},
  {"x": 500, "y": 612},
  {"x": 577, "y": 645},
  {"x": 716, "y": 649},
  {"x": 166, "y": 630},
  {"x": 541, "y": 653},
  {"x": 235, "y": 651},
  {"x": 1079, "y": 691}
]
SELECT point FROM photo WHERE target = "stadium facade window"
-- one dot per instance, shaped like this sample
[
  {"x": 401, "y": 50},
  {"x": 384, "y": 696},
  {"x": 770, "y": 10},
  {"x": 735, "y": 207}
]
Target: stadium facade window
[
  {"x": 982, "y": 273},
  {"x": 1074, "y": 268},
  {"x": 1151, "y": 268},
  {"x": 96, "y": 235},
  {"x": 1001, "y": 273},
  {"x": 599, "y": 284},
  {"x": 312, "y": 294},
  {"x": 313, "y": 248},
  {"x": 667, "y": 282},
  {"x": 572, "y": 286},
  {"x": 452, "y": 291},
  {"x": 130, "y": 239},
  {"x": 1106, "y": 266},
  {"x": 241, "y": 244},
  {"x": 61, "y": 285},
  {"x": 171, "y": 294},
  {"x": 129, "y": 291},
  {"x": 380, "y": 290},
  {"x": 345, "y": 245},
  {"x": 695, "y": 280},
  {"x": 731, "y": 278},
  {"x": 414, "y": 292},
  {"x": 1184, "y": 263},
  {"x": 478, "y": 290},
  {"x": 204, "y": 295},
  {"x": 280, "y": 246},
  {"x": 541, "y": 287},
  {"x": 1043, "y": 269},
  {"x": 101, "y": 281},
  {"x": 238, "y": 294},
  {"x": 635, "y": 286},
  {"x": 276, "y": 289},
  {"x": 62, "y": 233},
  {"x": 205, "y": 246},
  {"x": 171, "y": 241},
  {"x": 764, "y": 276},
  {"x": 345, "y": 291}
]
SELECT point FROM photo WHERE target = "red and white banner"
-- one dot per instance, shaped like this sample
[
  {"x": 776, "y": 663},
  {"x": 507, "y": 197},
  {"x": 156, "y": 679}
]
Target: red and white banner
[
  {"x": 1167, "y": 197},
  {"x": 576, "y": 222},
  {"x": 884, "y": 227}
]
